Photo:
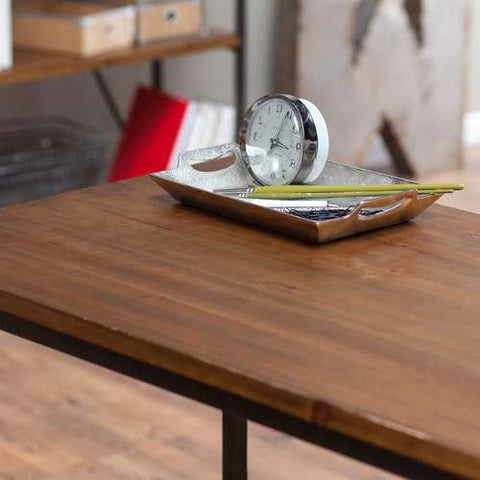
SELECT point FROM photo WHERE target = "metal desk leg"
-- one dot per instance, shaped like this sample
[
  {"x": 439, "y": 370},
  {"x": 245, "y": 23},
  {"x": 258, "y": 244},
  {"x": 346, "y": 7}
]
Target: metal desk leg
[{"x": 234, "y": 447}]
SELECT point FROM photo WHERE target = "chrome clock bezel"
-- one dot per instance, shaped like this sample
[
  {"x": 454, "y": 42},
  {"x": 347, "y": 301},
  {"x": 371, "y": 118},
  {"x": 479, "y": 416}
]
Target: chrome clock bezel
[{"x": 308, "y": 134}]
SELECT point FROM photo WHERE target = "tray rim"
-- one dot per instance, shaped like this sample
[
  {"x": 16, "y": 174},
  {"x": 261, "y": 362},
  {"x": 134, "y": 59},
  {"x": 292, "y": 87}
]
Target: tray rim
[{"x": 405, "y": 207}]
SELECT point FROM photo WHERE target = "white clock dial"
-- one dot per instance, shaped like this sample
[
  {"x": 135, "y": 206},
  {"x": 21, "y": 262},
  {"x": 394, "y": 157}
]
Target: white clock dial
[
  {"x": 274, "y": 142},
  {"x": 284, "y": 140}
]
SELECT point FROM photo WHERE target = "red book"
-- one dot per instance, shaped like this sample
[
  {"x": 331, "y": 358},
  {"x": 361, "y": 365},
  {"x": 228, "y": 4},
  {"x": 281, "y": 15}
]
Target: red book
[{"x": 152, "y": 135}]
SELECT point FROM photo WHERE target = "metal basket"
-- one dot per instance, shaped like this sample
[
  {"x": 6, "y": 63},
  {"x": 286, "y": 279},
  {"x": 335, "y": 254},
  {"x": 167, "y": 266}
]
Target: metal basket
[{"x": 48, "y": 155}]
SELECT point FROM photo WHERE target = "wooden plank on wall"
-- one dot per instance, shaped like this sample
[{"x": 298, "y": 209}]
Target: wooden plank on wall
[{"x": 389, "y": 67}]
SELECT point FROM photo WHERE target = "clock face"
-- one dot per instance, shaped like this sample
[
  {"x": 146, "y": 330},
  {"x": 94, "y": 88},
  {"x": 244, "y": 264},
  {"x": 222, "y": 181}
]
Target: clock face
[{"x": 274, "y": 142}]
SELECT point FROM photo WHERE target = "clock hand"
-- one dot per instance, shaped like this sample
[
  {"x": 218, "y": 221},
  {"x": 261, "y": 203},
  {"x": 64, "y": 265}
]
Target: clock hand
[
  {"x": 275, "y": 141},
  {"x": 278, "y": 143},
  {"x": 281, "y": 127}
]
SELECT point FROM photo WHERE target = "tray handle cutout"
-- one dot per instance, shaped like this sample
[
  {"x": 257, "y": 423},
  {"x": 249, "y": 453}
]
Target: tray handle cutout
[
  {"x": 393, "y": 206},
  {"x": 194, "y": 168},
  {"x": 193, "y": 158}
]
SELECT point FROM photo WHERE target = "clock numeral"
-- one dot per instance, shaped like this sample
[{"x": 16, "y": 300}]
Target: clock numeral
[
  {"x": 298, "y": 146},
  {"x": 284, "y": 174},
  {"x": 272, "y": 175},
  {"x": 293, "y": 163},
  {"x": 260, "y": 120},
  {"x": 289, "y": 115},
  {"x": 255, "y": 136},
  {"x": 279, "y": 108},
  {"x": 295, "y": 129},
  {"x": 269, "y": 110}
]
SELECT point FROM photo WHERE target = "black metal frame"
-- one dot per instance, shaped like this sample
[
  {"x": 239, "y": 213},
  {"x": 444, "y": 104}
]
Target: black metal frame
[
  {"x": 108, "y": 98},
  {"x": 236, "y": 410},
  {"x": 156, "y": 69},
  {"x": 241, "y": 60},
  {"x": 235, "y": 439}
]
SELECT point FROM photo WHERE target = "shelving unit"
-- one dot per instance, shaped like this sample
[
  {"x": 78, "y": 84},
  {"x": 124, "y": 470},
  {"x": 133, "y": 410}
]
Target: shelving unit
[{"x": 34, "y": 65}]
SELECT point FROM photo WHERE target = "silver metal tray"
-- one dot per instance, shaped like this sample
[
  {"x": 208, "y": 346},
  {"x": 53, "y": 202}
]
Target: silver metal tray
[{"x": 193, "y": 187}]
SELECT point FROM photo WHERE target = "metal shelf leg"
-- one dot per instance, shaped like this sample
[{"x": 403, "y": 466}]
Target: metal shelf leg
[
  {"x": 241, "y": 60},
  {"x": 109, "y": 99},
  {"x": 157, "y": 74}
]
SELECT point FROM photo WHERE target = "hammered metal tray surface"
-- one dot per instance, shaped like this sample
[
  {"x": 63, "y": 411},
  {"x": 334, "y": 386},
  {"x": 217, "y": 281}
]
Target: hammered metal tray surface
[{"x": 195, "y": 188}]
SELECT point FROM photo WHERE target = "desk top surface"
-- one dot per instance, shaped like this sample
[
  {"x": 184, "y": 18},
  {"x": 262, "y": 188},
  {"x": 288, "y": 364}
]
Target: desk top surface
[{"x": 376, "y": 336}]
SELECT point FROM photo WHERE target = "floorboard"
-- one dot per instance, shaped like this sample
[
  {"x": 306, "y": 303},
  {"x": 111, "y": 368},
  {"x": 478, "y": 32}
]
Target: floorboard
[{"x": 61, "y": 418}]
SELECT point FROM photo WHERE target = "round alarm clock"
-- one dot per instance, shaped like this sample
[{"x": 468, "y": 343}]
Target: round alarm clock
[{"x": 284, "y": 140}]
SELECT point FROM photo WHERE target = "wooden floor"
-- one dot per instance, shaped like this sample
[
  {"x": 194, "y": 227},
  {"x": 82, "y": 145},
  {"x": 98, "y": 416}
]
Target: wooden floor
[
  {"x": 63, "y": 419},
  {"x": 469, "y": 199}
]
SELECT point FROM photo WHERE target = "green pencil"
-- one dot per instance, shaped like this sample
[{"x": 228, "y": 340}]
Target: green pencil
[
  {"x": 312, "y": 195},
  {"x": 355, "y": 188},
  {"x": 291, "y": 192}
]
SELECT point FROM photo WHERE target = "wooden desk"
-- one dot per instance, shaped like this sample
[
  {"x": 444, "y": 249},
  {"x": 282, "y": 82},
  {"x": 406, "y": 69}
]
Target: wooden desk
[{"x": 368, "y": 346}]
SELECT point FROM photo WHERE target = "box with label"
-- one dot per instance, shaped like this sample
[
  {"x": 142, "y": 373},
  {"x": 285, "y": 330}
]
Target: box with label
[
  {"x": 159, "y": 19},
  {"x": 82, "y": 28}
]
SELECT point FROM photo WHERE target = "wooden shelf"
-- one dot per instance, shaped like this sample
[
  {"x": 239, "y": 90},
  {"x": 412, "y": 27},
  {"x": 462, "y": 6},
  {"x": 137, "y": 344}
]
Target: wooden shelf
[{"x": 34, "y": 65}]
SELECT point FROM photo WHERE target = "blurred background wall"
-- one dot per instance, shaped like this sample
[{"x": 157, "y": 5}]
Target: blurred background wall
[
  {"x": 199, "y": 75},
  {"x": 474, "y": 94}
]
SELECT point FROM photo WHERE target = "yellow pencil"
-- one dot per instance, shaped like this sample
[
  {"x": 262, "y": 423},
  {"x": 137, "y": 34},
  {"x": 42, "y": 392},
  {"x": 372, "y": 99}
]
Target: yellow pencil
[
  {"x": 313, "y": 195},
  {"x": 355, "y": 188},
  {"x": 337, "y": 191}
]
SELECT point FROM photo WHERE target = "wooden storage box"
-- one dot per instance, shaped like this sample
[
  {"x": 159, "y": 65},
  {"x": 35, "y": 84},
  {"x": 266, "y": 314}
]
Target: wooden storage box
[
  {"x": 82, "y": 28},
  {"x": 163, "y": 19}
]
